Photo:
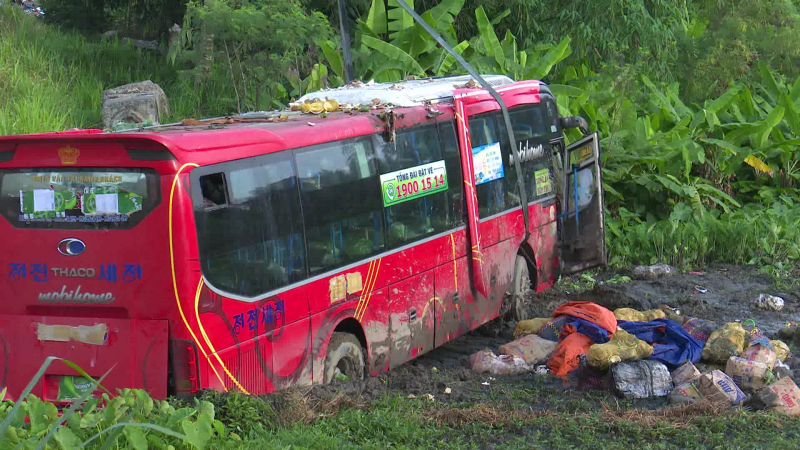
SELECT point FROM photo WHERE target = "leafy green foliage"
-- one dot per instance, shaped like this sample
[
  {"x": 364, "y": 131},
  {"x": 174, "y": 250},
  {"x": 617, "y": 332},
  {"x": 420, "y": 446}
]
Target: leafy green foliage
[
  {"x": 131, "y": 416},
  {"x": 247, "y": 52},
  {"x": 694, "y": 184}
]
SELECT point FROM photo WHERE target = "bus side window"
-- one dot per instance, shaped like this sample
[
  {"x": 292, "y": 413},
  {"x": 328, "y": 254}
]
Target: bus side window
[
  {"x": 427, "y": 214},
  {"x": 255, "y": 244},
  {"x": 532, "y": 135},
  {"x": 497, "y": 194},
  {"x": 341, "y": 197}
]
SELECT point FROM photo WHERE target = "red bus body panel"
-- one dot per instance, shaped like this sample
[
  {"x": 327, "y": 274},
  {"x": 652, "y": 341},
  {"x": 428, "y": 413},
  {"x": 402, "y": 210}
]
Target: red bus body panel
[{"x": 406, "y": 301}]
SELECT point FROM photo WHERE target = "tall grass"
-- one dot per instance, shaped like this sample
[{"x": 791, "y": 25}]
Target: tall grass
[{"x": 52, "y": 80}]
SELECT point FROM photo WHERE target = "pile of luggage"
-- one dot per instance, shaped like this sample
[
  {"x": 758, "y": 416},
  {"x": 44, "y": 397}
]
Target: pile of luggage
[{"x": 656, "y": 353}]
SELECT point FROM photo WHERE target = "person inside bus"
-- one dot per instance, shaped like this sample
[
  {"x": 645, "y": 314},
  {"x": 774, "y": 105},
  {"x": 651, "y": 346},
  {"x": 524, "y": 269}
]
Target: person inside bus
[{"x": 212, "y": 187}]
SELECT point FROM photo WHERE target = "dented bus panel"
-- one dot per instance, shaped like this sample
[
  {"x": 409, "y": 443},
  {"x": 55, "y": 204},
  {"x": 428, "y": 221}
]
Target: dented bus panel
[{"x": 255, "y": 253}]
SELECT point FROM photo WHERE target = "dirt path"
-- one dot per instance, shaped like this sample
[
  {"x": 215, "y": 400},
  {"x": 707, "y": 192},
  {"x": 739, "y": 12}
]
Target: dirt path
[{"x": 730, "y": 291}]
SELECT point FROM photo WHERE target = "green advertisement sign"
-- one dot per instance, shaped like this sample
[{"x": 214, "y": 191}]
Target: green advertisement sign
[{"x": 414, "y": 182}]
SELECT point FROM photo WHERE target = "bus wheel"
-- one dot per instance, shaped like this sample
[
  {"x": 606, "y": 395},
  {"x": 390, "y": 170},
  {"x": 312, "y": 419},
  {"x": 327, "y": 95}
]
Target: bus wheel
[
  {"x": 345, "y": 357},
  {"x": 522, "y": 289}
]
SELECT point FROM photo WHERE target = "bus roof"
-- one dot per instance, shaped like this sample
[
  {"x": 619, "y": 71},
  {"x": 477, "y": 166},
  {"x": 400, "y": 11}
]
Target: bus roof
[
  {"x": 206, "y": 141},
  {"x": 404, "y": 93}
]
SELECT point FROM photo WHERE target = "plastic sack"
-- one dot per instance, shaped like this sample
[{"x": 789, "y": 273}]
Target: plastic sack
[
  {"x": 632, "y": 315},
  {"x": 621, "y": 347},
  {"x": 781, "y": 349},
  {"x": 725, "y": 342},
  {"x": 485, "y": 361},
  {"x": 566, "y": 358},
  {"x": 590, "y": 312},
  {"x": 641, "y": 379},
  {"x": 718, "y": 387},
  {"x": 685, "y": 393},
  {"x": 782, "y": 396},
  {"x": 531, "y": 348},
  {"x": 761, "y": 354},
  {"x": 685, "y": 373},
  {"x": 769, "y": 302},
  {"x": 749, "y": 375},
  {"x": 530, "y": 326},
  {"x": 698, "y": 328}
]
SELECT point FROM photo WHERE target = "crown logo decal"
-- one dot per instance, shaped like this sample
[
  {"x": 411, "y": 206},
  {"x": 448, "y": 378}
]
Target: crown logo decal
[{"x": 69, "y": 155}]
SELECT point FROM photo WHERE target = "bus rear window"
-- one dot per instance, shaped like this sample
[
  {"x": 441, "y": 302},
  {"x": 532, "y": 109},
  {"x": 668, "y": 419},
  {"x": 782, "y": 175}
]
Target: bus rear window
[{"x": 77, "y": 199}]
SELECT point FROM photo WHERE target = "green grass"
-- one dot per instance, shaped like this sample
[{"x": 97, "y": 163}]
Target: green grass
[
  {"x": 398, "y": 422},
  {"x": 51, "y": 80}
]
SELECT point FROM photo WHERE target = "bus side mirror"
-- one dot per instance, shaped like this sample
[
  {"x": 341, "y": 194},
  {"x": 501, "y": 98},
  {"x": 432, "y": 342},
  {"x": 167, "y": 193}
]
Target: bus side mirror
[{"x": 575, "y": 122}]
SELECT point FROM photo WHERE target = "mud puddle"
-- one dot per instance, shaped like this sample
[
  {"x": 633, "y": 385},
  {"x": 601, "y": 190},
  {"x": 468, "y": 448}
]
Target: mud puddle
[{"x": 729, "y": 292}]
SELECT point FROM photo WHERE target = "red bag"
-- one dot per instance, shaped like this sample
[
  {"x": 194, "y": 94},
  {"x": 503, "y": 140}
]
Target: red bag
[
  {"x": 590, "y": 312},
  {"x": 566, "y": 357}
]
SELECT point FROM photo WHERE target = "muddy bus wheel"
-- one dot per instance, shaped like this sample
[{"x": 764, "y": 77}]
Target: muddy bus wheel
[
  {"x": 345, "y": 357},
  {"x": 522, "y": 289}
]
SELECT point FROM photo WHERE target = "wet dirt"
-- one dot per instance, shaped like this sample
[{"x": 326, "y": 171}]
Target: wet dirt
[{"x": 729, "y": 295}]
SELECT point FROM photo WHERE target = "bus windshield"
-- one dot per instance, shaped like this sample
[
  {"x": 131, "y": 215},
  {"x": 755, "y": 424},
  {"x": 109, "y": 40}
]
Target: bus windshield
[{"x": 77, "y": 198}]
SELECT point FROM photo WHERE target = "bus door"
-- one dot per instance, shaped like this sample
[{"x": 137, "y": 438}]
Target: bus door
[
  {"x": 581, "y": 221},
  {"x": 492, "y": 192}
]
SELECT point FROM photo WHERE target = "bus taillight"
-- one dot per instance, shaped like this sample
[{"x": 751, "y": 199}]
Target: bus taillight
[{"x": 185, "y": 376}]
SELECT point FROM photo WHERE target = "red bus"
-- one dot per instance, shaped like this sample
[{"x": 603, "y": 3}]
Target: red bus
[{"x": 269, "y": 250}]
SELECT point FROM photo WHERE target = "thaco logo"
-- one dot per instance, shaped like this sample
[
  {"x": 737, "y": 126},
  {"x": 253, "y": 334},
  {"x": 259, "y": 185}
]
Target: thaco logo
[{"x": 71, "y": 247}]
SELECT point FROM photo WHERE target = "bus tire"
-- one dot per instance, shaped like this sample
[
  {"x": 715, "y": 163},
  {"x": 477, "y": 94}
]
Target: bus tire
[
  {"x": 346, "y": 355},
  {"x": 522, "y": 289}
]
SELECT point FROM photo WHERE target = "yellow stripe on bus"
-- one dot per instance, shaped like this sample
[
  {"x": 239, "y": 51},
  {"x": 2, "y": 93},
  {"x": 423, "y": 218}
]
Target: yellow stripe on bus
[
  {"x": 175, "y": 280},
  {"x": 208, "y": 341}
]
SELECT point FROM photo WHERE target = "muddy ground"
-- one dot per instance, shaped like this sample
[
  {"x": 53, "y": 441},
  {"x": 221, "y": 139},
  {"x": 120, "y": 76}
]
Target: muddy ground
[{"x": 729, "y": 295}]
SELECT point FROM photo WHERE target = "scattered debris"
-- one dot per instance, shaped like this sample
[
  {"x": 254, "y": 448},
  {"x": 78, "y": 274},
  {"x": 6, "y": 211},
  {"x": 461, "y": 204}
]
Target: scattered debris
[
  {"x": 685, "y": 373},
  {"x": 471, "y": 84},
  {"x": 698, "y": 328},
  {"x": 642, "y": 379},
  {"x": 486, "y": 361},
  {"x": 653, "y": 272},
  {"x": 530, "y": 348},
  {"x": 700, "y": 290},
  {"x": 542, "y": 370},
  {"x": 769, "y": 302},
  {"x": 761, "y": 354},
  {"x": 716, "y": 386},
  {"x": 448, "y": 391},
  {"x": 782, "y": 396},
  {"x": 685, "y": 393},
  {"x": 749, "y": 375}
]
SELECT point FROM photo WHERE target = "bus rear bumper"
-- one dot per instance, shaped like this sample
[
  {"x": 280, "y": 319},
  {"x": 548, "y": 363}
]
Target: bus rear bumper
[{"x": 134, "y": 350}]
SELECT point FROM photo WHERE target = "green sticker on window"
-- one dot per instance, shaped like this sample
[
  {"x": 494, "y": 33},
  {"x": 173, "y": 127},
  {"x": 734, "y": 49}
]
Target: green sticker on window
[
  {"x": 543, "y": 185},
  {"x": 414, "y": 182}
]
